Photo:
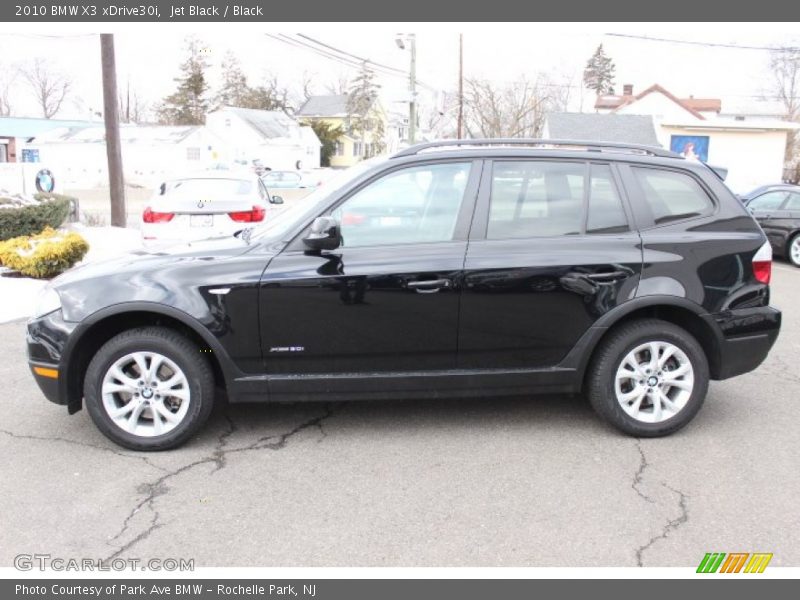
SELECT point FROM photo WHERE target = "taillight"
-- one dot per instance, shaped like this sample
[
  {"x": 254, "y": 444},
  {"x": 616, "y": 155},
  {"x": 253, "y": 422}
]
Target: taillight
[
  {"x": 151, "y": 216},
  {"x": 248, "y": 216},
  {"x": 762, "y": 263},
  {"x": 353, "y": 219}
]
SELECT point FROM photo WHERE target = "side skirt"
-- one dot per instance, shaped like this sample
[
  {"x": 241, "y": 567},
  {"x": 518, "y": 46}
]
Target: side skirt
[{"x": 403, "y": 385}]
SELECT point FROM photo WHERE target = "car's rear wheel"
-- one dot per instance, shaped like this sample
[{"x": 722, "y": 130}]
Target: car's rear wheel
[
  {"x": 649, "y": 378},
  {"x": 794, "y": 250},
  {"x": 149, "y": 389}
]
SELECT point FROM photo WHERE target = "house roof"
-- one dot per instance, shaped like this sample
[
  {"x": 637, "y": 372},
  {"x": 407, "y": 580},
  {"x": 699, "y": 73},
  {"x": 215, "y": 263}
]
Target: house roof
[
  {"x": 331, "y": 105},
  {"x": 269, "y": 124},
  {"x": 131, "y": 134},
  {"x": 691, "y": 104},
  {"x": 629, "y": 129},
  {"x": 25, "y": 127}
]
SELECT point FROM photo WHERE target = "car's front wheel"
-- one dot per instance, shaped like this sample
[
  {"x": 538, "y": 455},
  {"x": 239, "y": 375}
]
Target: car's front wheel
[
  {"x": 149, "y": 388},
  {"x": 794, "y": 250},
  {"x": 649, "y": 378}
]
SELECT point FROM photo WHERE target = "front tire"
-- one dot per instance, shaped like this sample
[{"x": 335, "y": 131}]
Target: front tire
[
  {"x": 649, "y": 378},
  {"x": 793, "y": 251},
  {"x": 149, "y": 389}
]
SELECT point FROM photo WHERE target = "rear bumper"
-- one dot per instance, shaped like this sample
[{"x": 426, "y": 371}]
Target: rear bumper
[{"x": 747, "y": 337}]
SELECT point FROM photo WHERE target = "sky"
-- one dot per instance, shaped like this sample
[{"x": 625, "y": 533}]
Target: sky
[{"x": 148, "y": 57}]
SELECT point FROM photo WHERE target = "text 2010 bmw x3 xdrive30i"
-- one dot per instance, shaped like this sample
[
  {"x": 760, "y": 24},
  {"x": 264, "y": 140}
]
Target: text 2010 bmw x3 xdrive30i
[{"x": 484, "y": 267}]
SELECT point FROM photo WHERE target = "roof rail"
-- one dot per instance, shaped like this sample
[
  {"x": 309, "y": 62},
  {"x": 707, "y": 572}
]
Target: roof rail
[{"x": 592, "y": 146}]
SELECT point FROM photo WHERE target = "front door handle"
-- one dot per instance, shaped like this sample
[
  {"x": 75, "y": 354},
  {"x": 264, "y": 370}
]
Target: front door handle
[
  {"x": 429, "y": 286},
  {"x": 609, "y": 276}
]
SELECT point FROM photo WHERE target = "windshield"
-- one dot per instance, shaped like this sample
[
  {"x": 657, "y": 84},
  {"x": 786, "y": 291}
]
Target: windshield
[{"x": 282, "y": 223}]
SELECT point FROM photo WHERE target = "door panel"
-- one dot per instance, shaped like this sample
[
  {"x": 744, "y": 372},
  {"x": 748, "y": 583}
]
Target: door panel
[{"x": 527, "y": 302}]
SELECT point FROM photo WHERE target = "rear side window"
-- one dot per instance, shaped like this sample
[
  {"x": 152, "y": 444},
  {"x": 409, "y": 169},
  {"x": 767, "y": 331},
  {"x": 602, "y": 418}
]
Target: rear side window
[
  {"x": 672, "y": 196},
  {"x": 606, "y": 214}
]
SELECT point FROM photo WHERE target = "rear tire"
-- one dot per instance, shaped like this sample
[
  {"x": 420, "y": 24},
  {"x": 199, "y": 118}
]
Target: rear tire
[
  {"x": 149, "y": 389},
  {"x": 645, "y": 396}
]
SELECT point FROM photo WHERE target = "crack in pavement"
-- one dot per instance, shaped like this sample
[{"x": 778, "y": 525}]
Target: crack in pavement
[
  {"x": 219, "y": 458},
  {"x": 45, "y": 438},
  {"x": 672, "y": 524},
  {"x": 639, "y": 475}
]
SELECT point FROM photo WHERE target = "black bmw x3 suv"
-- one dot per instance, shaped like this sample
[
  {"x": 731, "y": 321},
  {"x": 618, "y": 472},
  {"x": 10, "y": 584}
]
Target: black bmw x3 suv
[{"x": 456, "y": 268}]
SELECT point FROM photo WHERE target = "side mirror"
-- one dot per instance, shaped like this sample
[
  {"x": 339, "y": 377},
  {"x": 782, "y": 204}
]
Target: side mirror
[
  {"x": 324, "y": 234},
  {"x": 275, "y": 200}
]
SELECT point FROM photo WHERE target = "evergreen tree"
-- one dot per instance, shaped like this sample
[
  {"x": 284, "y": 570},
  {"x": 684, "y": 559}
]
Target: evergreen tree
[
  {"x": 599, "y": 72},
  {"x": 188, "y": 105},
  {"x": 328, "y": 135}
]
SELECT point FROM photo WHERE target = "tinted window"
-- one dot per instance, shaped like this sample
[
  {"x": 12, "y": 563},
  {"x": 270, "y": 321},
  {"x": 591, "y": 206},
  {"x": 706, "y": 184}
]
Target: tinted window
[
  {"x": 768, "y": 201},
  {"x": 671, "y": 195},
  {"x": 535, "y": 198},
  {"x": 419, "y": 204},
  {"x": 794, "y": 202},
  {"x": 606, "y": 214}
]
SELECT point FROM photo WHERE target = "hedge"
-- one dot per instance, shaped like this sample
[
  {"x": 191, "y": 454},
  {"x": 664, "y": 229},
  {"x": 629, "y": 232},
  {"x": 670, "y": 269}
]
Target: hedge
[
  {"x": 30, "y": 219},
  {"x": 43, "y": 255}
]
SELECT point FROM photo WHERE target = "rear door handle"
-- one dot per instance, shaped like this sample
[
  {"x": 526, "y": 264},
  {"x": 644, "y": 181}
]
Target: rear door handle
[{"x": 609, "y": 276}]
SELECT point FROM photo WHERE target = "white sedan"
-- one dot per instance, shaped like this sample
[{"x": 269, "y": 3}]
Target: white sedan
[{"x": 206, "y": 206}]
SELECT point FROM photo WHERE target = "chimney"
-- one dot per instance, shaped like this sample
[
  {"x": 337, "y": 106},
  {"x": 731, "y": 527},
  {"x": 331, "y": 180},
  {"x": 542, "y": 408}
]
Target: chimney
[{"x": 627, "y": 89}]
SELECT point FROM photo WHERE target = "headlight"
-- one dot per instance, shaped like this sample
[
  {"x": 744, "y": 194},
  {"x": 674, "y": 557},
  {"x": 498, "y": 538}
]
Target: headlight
[{"x": 46, "y": 302}]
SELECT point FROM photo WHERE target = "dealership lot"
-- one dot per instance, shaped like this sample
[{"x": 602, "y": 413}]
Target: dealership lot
[{"x": 493, "y": 482}]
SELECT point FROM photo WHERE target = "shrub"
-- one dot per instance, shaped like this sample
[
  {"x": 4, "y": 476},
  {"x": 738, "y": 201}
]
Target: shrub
[
  {"x": 43, "y": 255},
  {"x": 28, "y": 219}
]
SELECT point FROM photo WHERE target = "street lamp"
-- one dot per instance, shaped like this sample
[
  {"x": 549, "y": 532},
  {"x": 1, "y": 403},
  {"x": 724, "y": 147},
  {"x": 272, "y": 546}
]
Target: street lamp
[{"x": 401, "y": 40}]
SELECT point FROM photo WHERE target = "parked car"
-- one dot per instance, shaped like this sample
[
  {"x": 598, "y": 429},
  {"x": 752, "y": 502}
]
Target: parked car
[
  {"x": 777, "y": 210},
  {"x": 204, "y": 206},
  {"x": 464, "y": 268},
  {"x": 290, "y": 180}
]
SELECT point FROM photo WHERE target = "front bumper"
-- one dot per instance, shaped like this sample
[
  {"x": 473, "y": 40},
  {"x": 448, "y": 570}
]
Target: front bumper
[
  {"x": 747, "y": 336},
  {"x": 46, "y": 338}
]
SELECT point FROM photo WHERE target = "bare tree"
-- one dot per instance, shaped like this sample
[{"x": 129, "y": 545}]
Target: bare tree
[
  {"x": 785, "y": 65},
  {"x": 7, "y": 77},
  {"x": 515, "y": 109},
  {"x": 48, "y": 86},
  {"x": 132, "y": 107},
  {"x": 341, "y": 85}
]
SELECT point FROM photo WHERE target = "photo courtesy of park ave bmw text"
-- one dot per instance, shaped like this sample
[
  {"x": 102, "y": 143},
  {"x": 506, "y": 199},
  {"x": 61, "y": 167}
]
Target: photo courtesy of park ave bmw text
[{"x": 415, "y": 300}]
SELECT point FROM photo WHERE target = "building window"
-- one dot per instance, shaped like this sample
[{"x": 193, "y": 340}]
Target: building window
[
  {"x": 193, "y": 153},
  {"x": 357, "y": 148},
  {"x": 339, "y": 149}
]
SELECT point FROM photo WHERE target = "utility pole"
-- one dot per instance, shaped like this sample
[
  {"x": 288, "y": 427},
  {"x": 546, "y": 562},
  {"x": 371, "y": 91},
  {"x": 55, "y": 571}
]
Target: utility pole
[
  {"x": 460, "y": 128},
  {"x": 111, "y": 115},
  {"x": 412, "y": 86}
]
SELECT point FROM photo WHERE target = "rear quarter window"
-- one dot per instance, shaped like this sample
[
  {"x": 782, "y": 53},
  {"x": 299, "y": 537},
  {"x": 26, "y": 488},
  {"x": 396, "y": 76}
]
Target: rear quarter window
[{"x": 672, "y": 195}]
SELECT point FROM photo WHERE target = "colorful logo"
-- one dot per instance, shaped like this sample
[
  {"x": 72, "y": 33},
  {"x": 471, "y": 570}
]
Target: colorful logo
[
  {"x": 734, "y": 562},
  {"x": 45, "y": 182}
]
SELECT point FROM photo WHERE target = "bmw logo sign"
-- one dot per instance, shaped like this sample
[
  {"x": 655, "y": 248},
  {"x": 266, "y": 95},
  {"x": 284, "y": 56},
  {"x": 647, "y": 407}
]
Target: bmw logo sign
[{"x": 45, "y": 182}]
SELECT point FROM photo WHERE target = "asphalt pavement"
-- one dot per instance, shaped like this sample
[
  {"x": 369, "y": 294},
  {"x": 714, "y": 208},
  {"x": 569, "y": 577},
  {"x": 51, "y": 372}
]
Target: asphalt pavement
[{"x": 537, "y": 481}]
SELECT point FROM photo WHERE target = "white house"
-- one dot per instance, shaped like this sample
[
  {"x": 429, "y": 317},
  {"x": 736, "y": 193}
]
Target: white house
[
  {"x": 272, "y": 137},
  {"x": 750, "y": 145},
  {"x": 150, "y": 153}
]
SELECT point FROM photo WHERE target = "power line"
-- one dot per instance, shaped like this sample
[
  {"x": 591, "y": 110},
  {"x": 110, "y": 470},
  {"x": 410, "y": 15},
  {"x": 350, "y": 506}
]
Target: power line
[
  {"x": 362, "y": 59},
  {"x": 705, "y": 44}
]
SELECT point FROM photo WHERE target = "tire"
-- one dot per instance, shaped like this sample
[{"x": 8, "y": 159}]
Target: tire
[
  {"x": 612, "y": 378},
  {"x": 793, "y": 250},
  {"x": 181, "y": 399}
]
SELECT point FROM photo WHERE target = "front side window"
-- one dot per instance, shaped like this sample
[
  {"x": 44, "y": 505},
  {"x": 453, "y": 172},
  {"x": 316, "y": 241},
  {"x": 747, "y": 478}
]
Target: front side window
[
  {"x": 768, "y": 201},
  {"x": 794, "y": 201},
  {"x": 414, "y": 205},
  {"x": 672, "y": 196}
]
